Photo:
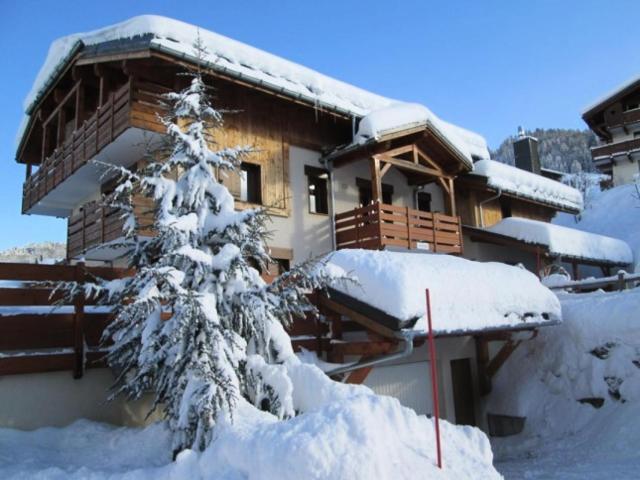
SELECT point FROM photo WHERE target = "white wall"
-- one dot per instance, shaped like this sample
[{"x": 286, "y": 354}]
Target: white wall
[
  {"x": 57, "y": 399},
  {"x": 624, "y": 171},
  {"x": 409, "y": 379}
]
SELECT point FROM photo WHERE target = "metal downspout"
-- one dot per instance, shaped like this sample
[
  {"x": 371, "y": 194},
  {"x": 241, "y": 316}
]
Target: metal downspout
[{"x": 406, "y": 337}]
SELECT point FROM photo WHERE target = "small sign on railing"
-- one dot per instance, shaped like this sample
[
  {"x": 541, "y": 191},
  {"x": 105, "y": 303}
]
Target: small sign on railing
[{"x": 423, "y": 246}]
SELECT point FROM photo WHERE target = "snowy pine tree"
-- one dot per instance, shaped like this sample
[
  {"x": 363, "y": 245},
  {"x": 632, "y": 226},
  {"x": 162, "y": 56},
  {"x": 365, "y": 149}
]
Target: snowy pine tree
[{"x": 196, "y": 325}]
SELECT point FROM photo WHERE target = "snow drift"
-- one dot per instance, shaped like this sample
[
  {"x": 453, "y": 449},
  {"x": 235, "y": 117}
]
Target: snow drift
[{"x": 465, "y": 295}]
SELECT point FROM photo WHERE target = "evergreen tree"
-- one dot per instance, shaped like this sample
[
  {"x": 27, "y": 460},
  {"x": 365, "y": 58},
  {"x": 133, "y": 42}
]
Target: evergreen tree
[{"x": 196, "y": 325}]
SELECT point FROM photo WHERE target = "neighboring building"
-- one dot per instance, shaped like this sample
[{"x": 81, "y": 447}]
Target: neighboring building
[
  {"x": 615, "y": 119},
  {"x": 337, "y": 167}
]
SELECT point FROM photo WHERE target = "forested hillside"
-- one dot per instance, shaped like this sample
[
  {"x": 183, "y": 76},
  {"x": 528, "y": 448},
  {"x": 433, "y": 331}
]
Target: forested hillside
[{"x": 560, "y": 149}]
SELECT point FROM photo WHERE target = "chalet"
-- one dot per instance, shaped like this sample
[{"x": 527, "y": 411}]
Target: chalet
[
  {"x": 615, "y": 119},
  {"x": 402, "y": 194}
]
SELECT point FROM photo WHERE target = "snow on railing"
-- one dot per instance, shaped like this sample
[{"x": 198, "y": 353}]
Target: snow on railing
[{"x": 619, "y": 282}]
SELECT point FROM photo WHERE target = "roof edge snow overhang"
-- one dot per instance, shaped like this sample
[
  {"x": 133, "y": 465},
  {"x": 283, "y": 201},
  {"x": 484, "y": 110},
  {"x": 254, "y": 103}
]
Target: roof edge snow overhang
[
  {"x": 365, "y": 148},
  {"x": 612, "y": 97},
  {"x": 485, "y": 236},
  {"x": 483, "y": 182},
  {"x": 80, "y": 50},
  {"x": 394, "y": 324}
]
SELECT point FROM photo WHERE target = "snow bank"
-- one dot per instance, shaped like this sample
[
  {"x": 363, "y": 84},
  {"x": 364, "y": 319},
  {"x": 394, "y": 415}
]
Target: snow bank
[
  {"x": 593, "y": 356},
  {"x": 565, "y": 241},
  {"x": 402, "y": 116},
  {"x": 613, "y": 212},
  {"x": 346, "y": 432},
  {"x": 528, "y": 185},
  {"x": 465, "y": 295}
]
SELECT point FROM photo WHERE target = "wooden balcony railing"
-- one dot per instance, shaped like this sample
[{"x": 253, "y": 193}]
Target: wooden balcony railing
[
  {"x": 379, "y": 225},
  {"x": 615, "y": 148},
  {"x": 96, "y": 224},
  {"x": 132, "y": 105}
]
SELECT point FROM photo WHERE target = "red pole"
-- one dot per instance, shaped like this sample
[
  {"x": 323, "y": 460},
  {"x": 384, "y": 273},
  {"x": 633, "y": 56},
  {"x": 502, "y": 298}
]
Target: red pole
[{"x": 434, "y": 381}]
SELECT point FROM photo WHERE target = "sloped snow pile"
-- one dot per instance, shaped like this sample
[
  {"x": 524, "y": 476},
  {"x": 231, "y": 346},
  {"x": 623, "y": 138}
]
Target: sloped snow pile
[
  {"x": 346, "y": 432},
  {"x": 401, "y": 116},
  {"x": 465, "y": 295},
  {"x": 578, "y": 385},
  {"x": 614, "y": 212},
  {"x": 565, "y": 241},
  {"x": 527, "y": 184}
]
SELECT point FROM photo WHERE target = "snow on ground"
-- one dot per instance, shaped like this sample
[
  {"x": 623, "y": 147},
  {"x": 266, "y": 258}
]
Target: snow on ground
[
  {"x": 565, "y": 241},
  {"x": 395, "y": 282},
  {"x": 529, "y": 185},
  {"x": 593, "y": 356},
  {"x": 612, "y": 212},
  {"x": 345, "y": 432}
]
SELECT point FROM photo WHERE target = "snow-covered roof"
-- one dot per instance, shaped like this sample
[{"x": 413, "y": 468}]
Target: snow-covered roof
[
  {"x": 612, "y": 93},
  {"x": 402, "y": 116},
  {"x": 465, "y": 295},
  {"x": 565, "y": 241},
  {"x": 235, "y": 58},
  {"x": 526, "y": 184}
]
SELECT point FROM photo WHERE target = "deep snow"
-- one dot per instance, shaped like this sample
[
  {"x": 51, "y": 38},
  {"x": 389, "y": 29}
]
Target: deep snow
[{"x": 594, "y": 354}]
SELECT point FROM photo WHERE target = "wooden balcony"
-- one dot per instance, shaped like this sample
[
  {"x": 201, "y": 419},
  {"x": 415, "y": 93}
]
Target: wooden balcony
[
  {"x": 379, "y": 225},
  {"x": 133, "y": 105},
  {"x": 619, "y": 148},
  {"x": 96, "y": 224}
]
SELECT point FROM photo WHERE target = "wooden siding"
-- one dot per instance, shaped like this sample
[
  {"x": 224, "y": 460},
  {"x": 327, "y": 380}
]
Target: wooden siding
[{"x": 379, "y": 225}]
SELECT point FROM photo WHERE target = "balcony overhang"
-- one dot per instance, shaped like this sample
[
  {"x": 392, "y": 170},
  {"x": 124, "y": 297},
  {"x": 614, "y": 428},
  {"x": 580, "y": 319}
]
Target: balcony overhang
[{"x": 84, "y": 183}]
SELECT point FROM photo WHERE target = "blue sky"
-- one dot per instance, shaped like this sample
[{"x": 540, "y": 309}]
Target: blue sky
[{"x": 486, "y": 65}]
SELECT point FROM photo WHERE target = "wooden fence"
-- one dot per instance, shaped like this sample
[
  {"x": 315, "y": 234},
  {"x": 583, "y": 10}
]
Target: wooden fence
[
  {"x": 621, "y": 281},
  {"x": 35, "y": 336},
  {"x": 379, "y": 225}
]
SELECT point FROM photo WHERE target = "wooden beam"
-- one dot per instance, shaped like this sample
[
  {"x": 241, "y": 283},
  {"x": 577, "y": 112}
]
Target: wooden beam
[
  {"x": 398, "y": 151},
  {"x": 482, "y": 359},
  {"x": 357, "y": 377},
  {"x": 407, "y": 165},
  {"x": 366, "y": 322},
  {"x": 368, "y": 348},
  {"x": 503, "y": 354},
  {"x": 452, "y": 198},
  {"x": 376, "y": 179},
  {"x": 384, "y": 170},
  {"x": 428, "y": 159}
]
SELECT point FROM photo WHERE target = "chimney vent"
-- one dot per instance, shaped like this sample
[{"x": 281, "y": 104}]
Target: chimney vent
[{"x": 525, "y": 149}]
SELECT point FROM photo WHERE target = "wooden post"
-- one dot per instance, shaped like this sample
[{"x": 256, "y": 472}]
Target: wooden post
[
  {"x": 452, "y": 198},
  {"x": 28, "y": 172},
  {"x": 575, "y": 270},
  {"x": 482, "y": 357},
  {"x": 79, "y": 105},
  {"x": 78, "y": 323},
  {"x": 434, "y": 221},
  {"x": 376, "y": 181},
  {"x": 407, "y": 215},
  {"x": 621, "y": 282}
]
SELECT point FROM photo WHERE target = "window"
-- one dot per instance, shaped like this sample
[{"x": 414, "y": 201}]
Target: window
[
  {"x": 250, "y": 184},
  {"x": 317, "y": 189},
  {"x": 365, "y": 193},
  {"x": 424, "y": 201}
]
